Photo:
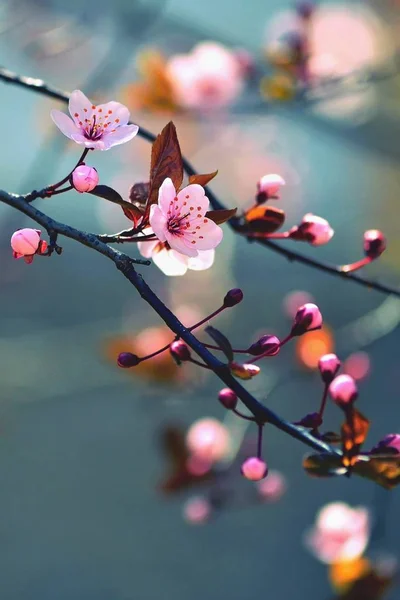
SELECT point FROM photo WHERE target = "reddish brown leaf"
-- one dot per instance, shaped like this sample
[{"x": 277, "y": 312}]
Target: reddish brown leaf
[
  {"x": 323, "y": 465},
  {"x": 354, "y": 432},
  {"x": 221, "y": 216},
  {"x": 139, "y": 193},
  {"x": 166, "y": 161},
  {"x": 264, "y": 219},
  {"x": 203, "y": 179},
  {"x": 133, "y": 213},
  {"x": 384, "y": 470}
]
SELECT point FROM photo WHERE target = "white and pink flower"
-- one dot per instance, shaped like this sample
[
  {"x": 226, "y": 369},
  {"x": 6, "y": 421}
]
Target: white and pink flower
[
  {"x": 171, "y": 262},
  {"x": 341, "y": 533},
  {"x": 180, "y": 220},
  {"x": 211, "y": 76},
  {"x": 96, "y": 127}
]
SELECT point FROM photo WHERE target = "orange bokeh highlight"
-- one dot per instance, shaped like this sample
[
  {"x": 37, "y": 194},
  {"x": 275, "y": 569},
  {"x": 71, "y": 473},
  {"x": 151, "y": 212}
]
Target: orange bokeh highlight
[{"x": 311, "y": 346}]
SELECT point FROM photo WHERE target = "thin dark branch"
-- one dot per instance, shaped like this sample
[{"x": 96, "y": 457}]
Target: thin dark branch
[
  {"x": 40, "y": 87},
  {"x": 124, "y": 263}
]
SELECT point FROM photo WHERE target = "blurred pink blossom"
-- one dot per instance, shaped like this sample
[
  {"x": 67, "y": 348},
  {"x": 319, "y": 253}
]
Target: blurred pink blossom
[
  {"x": 197, "y": 510},
  {"x": 208, "y": 439},
  {"x": 272, "y": 488},
  {"x": 341, "y": 533},
  {"x": 210, "y": 76}
]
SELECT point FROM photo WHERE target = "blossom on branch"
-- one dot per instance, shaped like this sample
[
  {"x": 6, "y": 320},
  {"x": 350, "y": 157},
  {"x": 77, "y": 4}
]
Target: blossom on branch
[
  {"x": 171, "y": 262},
  {"x": 180, "y": 219},
  {"x": 341, "y": 533},
  {"x": 26, "y": 243},
  {"x": 96, "y": 127}
]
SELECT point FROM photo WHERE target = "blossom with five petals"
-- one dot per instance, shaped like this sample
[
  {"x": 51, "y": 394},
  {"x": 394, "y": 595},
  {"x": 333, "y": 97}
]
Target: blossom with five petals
[
  {"x": 96, "y": 127},
  {"x": 180, "y": 219}
]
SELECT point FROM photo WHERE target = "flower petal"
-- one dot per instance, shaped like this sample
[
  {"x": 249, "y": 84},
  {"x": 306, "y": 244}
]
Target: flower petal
[
  {"x": 169, "y": 264},
  {"x": 80, "y": 107},
  {"x": 146, "y": 249},
  {"x": 158, "y": 222},
  {"x": 203, "y": 261},
  {"x": 64, "y": 123},
  {"x": 114, "y": 112},
  {"x": 166, "y": 195},
  {"x": 178, "y": 243},
  {"x": 119, "y": 136},
  {"x": 94, "y": 144},
  {"x": 193, "y": 199}
]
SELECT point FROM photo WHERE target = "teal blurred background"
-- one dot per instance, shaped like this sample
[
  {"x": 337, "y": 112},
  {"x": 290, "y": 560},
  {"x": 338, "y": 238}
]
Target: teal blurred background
[{"x": 81, "y": 517}]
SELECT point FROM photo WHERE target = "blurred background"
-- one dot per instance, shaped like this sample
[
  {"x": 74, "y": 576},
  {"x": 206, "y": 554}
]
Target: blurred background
[{"x": 82, "y": 514}]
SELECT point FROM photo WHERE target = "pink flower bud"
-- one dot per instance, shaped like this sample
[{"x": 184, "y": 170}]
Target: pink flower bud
[
  {"x": 272, "y": 488},
  {"x": 25, "y": 242},
  {"x": 233, "y": 297},
  {"x": 390, "y": 443},
  {"x": 374, "y": 243},
  {"x": 312, "y": 229},
  {"x": 228, "y": 398},
  {"x": 179, "y": 351},
  {"x": 267, "y": 344},
  {"x": 328, "y": 366},
  {"x": 85, "y": 178},
  {"x": 126, "y": 360},
  {"x": 343, "y": 390},
  {"x": 254, "y": 469},
  {"x": 197, "y": 510},
  {"x": 269, "y": 187},
  {"x": 307, "y": 318}
]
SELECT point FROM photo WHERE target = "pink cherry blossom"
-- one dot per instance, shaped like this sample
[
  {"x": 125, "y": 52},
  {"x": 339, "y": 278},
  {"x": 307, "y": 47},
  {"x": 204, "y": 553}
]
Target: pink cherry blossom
[
  {"x": 343, "y": 390},
  {"x": 85, "y": 178},
  {"x": 341, "y": 533},
  {"x": 272, "y": 488},
  {"x": 254, "y": 469},
  {"x": 26, "y": 243},
  {"x": 197, "y": 510},
  {"x": 208, "y": 439},
  {"x": 180, "y": 219},
  {"x": 97, "y": 127},
  {"x": 171, "y": 262},
  {"x": 209, "y": 77}
]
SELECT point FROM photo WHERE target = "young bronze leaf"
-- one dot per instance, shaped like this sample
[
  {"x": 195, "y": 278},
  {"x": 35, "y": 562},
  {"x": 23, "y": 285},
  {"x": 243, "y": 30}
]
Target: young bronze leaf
[
  {"x": 372, "y": 585},
  {"x": 203, "y": 179},
  {"x": 166, "y": 161},
  {"x": 323, "y": 465},
  {"x": 384, "y": 470},
  {"x": 264, "y": 219},
  {"x": 354, "y": 432},
  {"x": 221, "y": 216},
  {"x": 104, "y": 191}
]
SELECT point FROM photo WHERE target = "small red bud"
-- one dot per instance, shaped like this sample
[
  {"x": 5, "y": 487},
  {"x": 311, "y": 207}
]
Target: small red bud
[
  {"x": 328, "y": 366},
  {"x": 307, "y": 318},
  {"x": 374, "y": 243},
  {"x": 228, "y": 398},
  {"x": 233, "y": 297},
  {"x": 343, "y": 390},
  {"x": 126, "y": 360},
  {"x": 254, "y": 469},
  {"x": 267, "y": 344},
  {"x": 179, "y": 351}
]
